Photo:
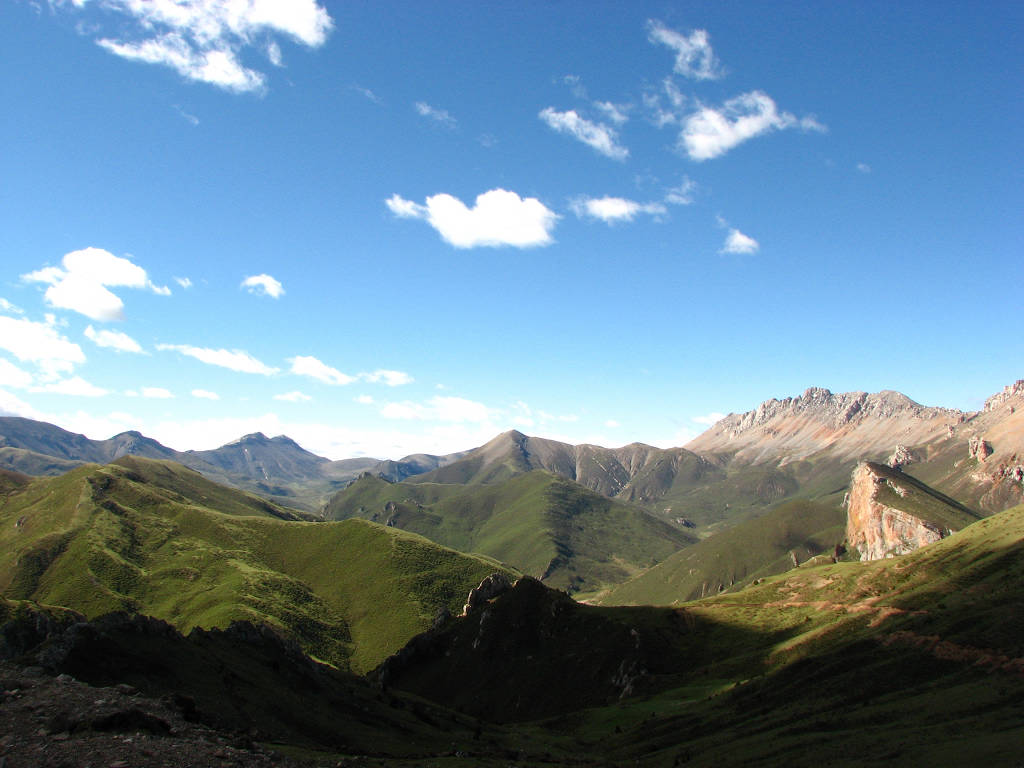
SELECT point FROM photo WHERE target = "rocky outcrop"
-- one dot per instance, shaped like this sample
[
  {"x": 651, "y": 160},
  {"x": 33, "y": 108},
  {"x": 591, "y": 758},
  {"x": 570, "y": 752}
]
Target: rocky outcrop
[
  {"x": 489, "y": 588},
  {"x": 978, "y": 448},
  {"x": 900, "y": 457},
  {"x": 1010, "y": 392},
  {"x": 879, "y": 522}
]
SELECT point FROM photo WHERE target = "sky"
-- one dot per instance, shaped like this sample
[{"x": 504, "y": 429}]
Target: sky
[{"x": 396, "y": 227}]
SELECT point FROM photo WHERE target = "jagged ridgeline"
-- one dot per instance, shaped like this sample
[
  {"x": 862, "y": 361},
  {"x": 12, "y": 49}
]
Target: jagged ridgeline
[{"x": 156, "y": 538}]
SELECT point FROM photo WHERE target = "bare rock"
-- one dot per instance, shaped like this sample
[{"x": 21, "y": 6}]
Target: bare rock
[
  {"x": 978, "y": 448},
  {"x": 489, "y": 588},
  {"x": 901, "y": 457}
]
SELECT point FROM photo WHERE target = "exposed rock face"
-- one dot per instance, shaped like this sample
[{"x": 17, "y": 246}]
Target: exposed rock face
[
  {"x": 901, "y": 457},
  {"x": 1010, "y": 391},
  {"x": 878, "y": 530},
  {"x": 978, "y": 449},
  {"x": 489, "y": 588},
  {"x": 853, "y": 425}
]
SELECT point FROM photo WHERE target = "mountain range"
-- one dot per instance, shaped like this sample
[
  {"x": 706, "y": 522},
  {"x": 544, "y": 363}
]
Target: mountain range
[{"x": 824, "y": 570}]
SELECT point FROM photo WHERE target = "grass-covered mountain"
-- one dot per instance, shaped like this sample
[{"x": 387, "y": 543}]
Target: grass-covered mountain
[
  {"x": 543, "y": 525},
  {"x": 915, "y": 660},
  {"x": 156, "y": 538}
]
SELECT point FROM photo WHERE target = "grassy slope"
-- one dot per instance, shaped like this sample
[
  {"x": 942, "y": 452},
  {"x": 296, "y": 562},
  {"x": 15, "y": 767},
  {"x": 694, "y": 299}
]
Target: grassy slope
[
  {"x": 146, "y": 537},
  {"x": 915, "y": 660},
  {"x": 543, "y": 525},
  {"x": 753, "y": 549}
]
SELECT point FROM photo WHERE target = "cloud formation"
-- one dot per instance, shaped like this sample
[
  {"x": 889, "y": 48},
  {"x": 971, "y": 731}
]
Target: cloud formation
[
  {"x": 390, "y": 378},
  {"x": 293, "y": 397},
  {"x": 694, "y": 57},
  {"x": 76, "y": 386},
  {"x": 737, "y": 242},
  {"x": 263, "y": 285},
  {"x": 83, "y": 283},
  {"x": 233, "y": 359},
  {"x": 599, "y": 136},
  {"x": 498, "y": 218},
  {"x": 439, "y": 116},
  {"x": 122, "y": 342},
  {"x": 315, "y": 369},
  {"x": 202, "y": 39},
  {"x": 40, "y": 344},
  {"x": 709, "y": 132},
  {"x": 613, "y": 209},
  {"x": 205, "y": 394}
]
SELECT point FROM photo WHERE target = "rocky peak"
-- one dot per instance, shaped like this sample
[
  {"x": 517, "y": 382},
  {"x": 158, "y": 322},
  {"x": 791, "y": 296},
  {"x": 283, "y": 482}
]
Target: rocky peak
[{"x": 1010, "y": 392}]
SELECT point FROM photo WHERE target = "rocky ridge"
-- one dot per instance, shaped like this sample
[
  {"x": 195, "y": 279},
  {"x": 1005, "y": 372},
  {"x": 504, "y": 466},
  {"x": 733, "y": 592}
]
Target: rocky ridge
[
  {"x": 889, "y": 513},
  {"x": 853, "y": 425}
]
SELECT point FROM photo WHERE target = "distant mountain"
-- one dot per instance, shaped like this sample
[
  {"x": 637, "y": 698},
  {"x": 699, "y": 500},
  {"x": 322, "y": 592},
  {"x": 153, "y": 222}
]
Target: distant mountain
[{"x": 539, "y": 523}]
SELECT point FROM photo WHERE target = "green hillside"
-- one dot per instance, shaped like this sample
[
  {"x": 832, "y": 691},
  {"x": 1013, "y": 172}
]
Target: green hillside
[
  {"x": 756, "y": 548},
  {"x": 914, "y": 660},
  {"x": 156, "y": 538},
  {"x": 543, "y": 525}
]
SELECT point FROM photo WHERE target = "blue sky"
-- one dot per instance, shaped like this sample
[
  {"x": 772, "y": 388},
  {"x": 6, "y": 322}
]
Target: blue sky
[{"x": 395, "y": 227}]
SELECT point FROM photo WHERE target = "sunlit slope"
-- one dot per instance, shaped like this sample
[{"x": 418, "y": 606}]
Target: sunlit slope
[
  {"x": 543, "y": 525},
  {"x": 150, "y": 537},
  {"x": 915, "y": 660},
  {"x": 732, "y": 558}
]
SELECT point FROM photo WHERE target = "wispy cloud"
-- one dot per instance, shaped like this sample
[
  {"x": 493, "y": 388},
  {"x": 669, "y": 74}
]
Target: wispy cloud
[
  {"x": 122, "y": 342},
  {"x": 232, "y": 359},
  {"x": 263, "y": 285},
  {"x": 863, "y": 167},
  {"x": 709, "y": 419},
  {"x": 617, "y": 113},
  {"x": 612, "y": 210},
  {"x": 498, "y": 218},
  {"x": 366, "y": 93},
  {"x": 13, "y": 376},
  {"x": 304, "y": 365},
  {"x": 451, "y": 409},
  {"x": 205, "y": 394},
  {"x": 83, "y": 282},
  {"x": 682, "y": 194},
  {"x": 184, "y": 282},
  {"x": 709, "y": 132},
  {"x": 76, "y": 386},
  {"x": 202, "y": 40},
  {"x": 439, "y": 116},
  {"x": 156, "y": 393},
  {"x": 293, "y": 397},
  {"x": 601, "y": 137},
  {"x": 694, "y": 57},
  {"x": 390, "y": 378}
]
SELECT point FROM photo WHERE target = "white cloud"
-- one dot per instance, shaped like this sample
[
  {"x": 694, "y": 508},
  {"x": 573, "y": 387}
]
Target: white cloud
[
  {"x": 683, "y": 194},
  {"x": 184, "y": 282},
  {"x": 390, "y": 378},
  {"x": 315, "y": 369},
  {"x": 293, "y": 397},
  {"x": 11, "y": 405},
  {"x": 364, "y": 400},
  {"x": 709, "y": 132},
  {"x": 450, "y": 409},
  {"x": 439, "y": 116},
  {"x": 498, "y": 218},
  {"x": 263, "y": 285},
  {"x": 612, "y": 423},
  {"x": 6, "y": 306},
  {"x": 235, "y": 359},
  {"x": 13, "y": 376},
  {"x": 737, "y": 242},
  {"x": 205, "y": 394},
  {"x": 711, "y": 418},
  {"x": 202, "y": 39},
  {"x": 863, "y": 167},
  {"x": 157, "y": 393},
  {"x": 40, "y": 344},
  {"x": 76, "y": 386},
  {"x": 367, "y": 93},
  {"x": 599, "y": 136},
  {"x": 617, "y": 113},
  {"x": 113, "y": 340},
  {"x": 694, "y": 57},
  {"x": 82, "y": 285},
  {"x": 188, "y": 117},
  {"x": 614, "y": 209}
]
